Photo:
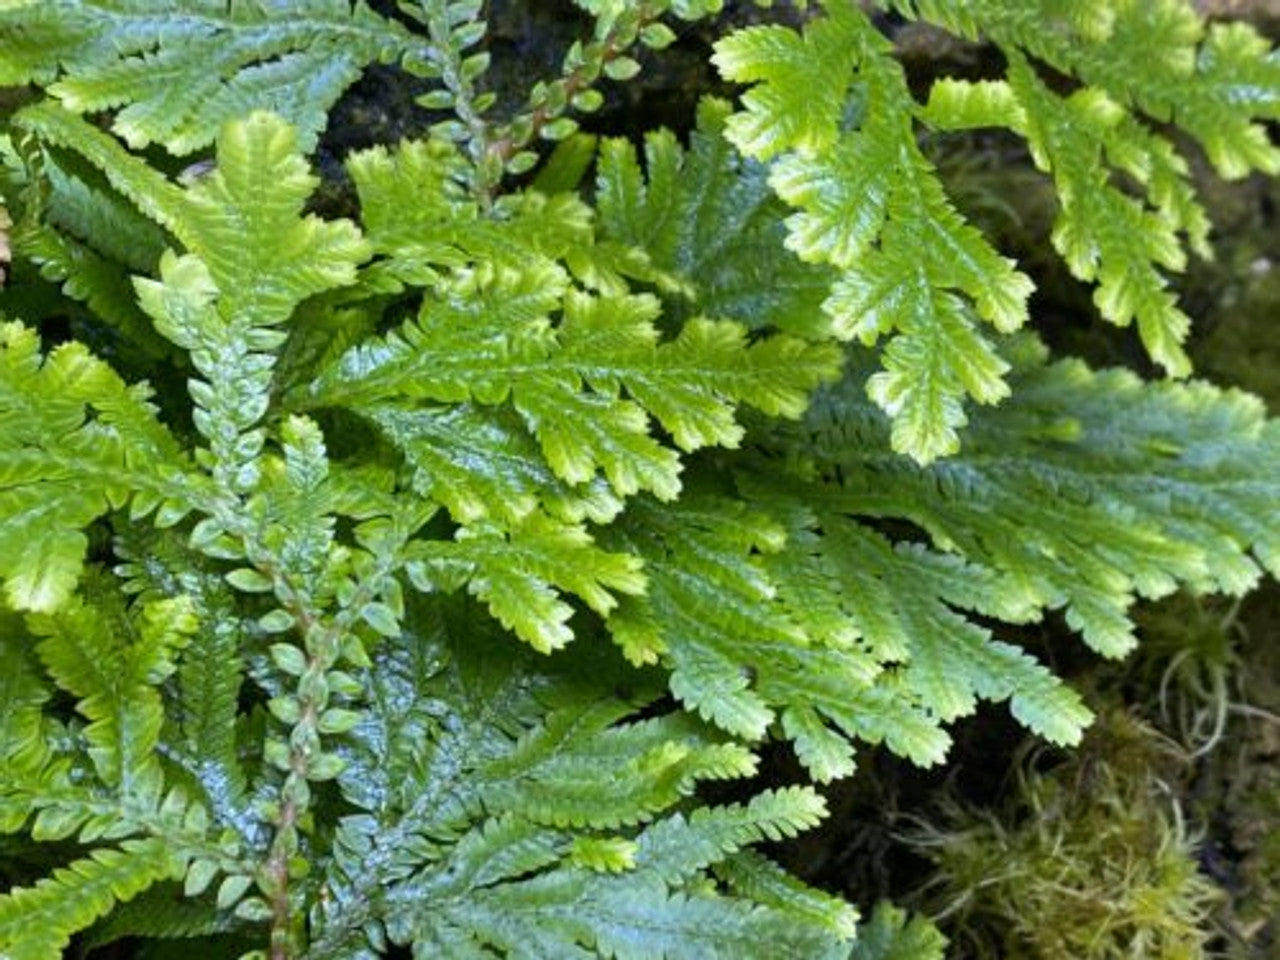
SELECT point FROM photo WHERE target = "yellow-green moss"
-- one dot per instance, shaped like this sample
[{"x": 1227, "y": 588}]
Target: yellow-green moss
[{"x": 1090, "y": 861}]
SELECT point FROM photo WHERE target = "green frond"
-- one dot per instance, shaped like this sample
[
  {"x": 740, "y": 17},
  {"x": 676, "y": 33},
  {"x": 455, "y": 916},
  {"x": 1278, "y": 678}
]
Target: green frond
[
  {"x": 566, "y": 377},
  {"x": 475, "y": 825},
  {"x": 154, "y": 196},
  {"x": 1217, "y": 82},
  {"x": 114, "y": 678},
  {"x": 740, "y": 652},
  {"x": 1103, "y": 233},
  {"x": 830, "y": 109},
  {"x": 158, "y": 565},
  {"x": 177, "y": 72},
  {"x": 678, "y": 848},
  {"x": 36, "y": 922},
  {"x": 520, "y": 574},
  {"x": 755, "y": 876},
  {"x": 870, "y": 205},
  {"x": 252, "y": 257},
  {"x": 75, "y": 442},
  {"x": 78, "y": 201},
  {"x": 891, "y": 934},
  {"x": 781, "y": 112},
  {"x": 27, "y": 732},
  {"x": 161, "y": 913},
  {"x": 83, "y": 235},
  {"x": 1095, "y": 489},
  {"x": 708, "y": 217},
  {"x": 904, "y": 603},
  {"x": 483, "y": 462}
]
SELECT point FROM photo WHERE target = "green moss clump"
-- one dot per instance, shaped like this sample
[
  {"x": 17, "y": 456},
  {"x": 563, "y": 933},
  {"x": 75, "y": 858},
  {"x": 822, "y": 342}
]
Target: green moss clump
[{"x": 1090, "y": 860}]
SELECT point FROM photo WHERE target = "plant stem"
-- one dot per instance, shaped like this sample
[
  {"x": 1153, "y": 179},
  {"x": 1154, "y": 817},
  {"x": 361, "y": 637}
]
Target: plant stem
[{"x": 509, "y": 139}]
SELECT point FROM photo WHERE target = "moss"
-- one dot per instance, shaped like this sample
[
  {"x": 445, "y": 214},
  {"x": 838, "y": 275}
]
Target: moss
[
  {"x": 1091, "y": 859},
  {"x": 1237, "y": 790}
]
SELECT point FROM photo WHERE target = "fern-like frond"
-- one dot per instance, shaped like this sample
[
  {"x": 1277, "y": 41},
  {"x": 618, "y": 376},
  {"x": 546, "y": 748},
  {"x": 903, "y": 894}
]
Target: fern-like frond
[
  {"x": 157, "y": 565},
  {"x": 154, "y": 196},
  {"x": 905, "y": 602},
  {"x": 419, "y": 217},
  {"x": 252, "y": 257},
  {"x": 1219, "y": 82},
  {"x": 75, "y": 442},
  {"x": 744, "y": 654},
  {"x": 1103, "y": 233},
  {"x": 707, "y": 217},
  {"x": 891, "y": 934},
  {"x": 36, "y": 922},
  {"x": 520, "y": 573},
  {"x": 104, "y": 782},
  {"x": 113, "y": 677},
  {"x": 176, "y": 72},
  {"x": 484, "y": 829},
  {"x": 27, "y": 732},
  {"x": 758, "y": 878},
  {"x": 832, "y": 108},
  {"x": 565, "y": 376},
  {"x": 1096, "y": 489},
  {"x": 81, "y": 234}
]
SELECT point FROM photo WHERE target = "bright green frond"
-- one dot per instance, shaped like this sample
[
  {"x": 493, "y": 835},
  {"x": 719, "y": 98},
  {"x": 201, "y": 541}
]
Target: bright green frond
[
  {"x": 802, "y": 79},
  {"x": 36, "y": 922},
  {"x": 178, "y": 71},
  {"x": 75, "y": 442},
  {"x": 566, "y": 378},
  {"x": 245, "y": 221},
  {"x": 1220, "y": 83},
  {"x": 1103, "y": 233},
  {"x": 521, "y": 572},
  {"x": 252, "y": 257},
  {"x": 870, "y": 205},
  {"x": 1095, "y": 489},
  {"x": 482, "y": 463}
]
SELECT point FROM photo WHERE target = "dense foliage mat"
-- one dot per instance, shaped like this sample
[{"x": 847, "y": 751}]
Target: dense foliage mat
[{"x": 397, "y": 583}]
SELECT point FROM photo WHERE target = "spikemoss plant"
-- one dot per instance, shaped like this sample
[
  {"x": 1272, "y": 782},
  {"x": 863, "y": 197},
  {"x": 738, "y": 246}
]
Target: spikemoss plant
[{"x": 395, "y": 584}]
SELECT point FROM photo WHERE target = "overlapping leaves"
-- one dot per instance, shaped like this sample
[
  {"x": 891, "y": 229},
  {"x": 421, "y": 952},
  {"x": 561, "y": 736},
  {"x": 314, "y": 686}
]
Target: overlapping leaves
[
  {"x": 832, "y": 112},
  {"x": 177, "y": 71},
  {"x": 480, "y": 825}
]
